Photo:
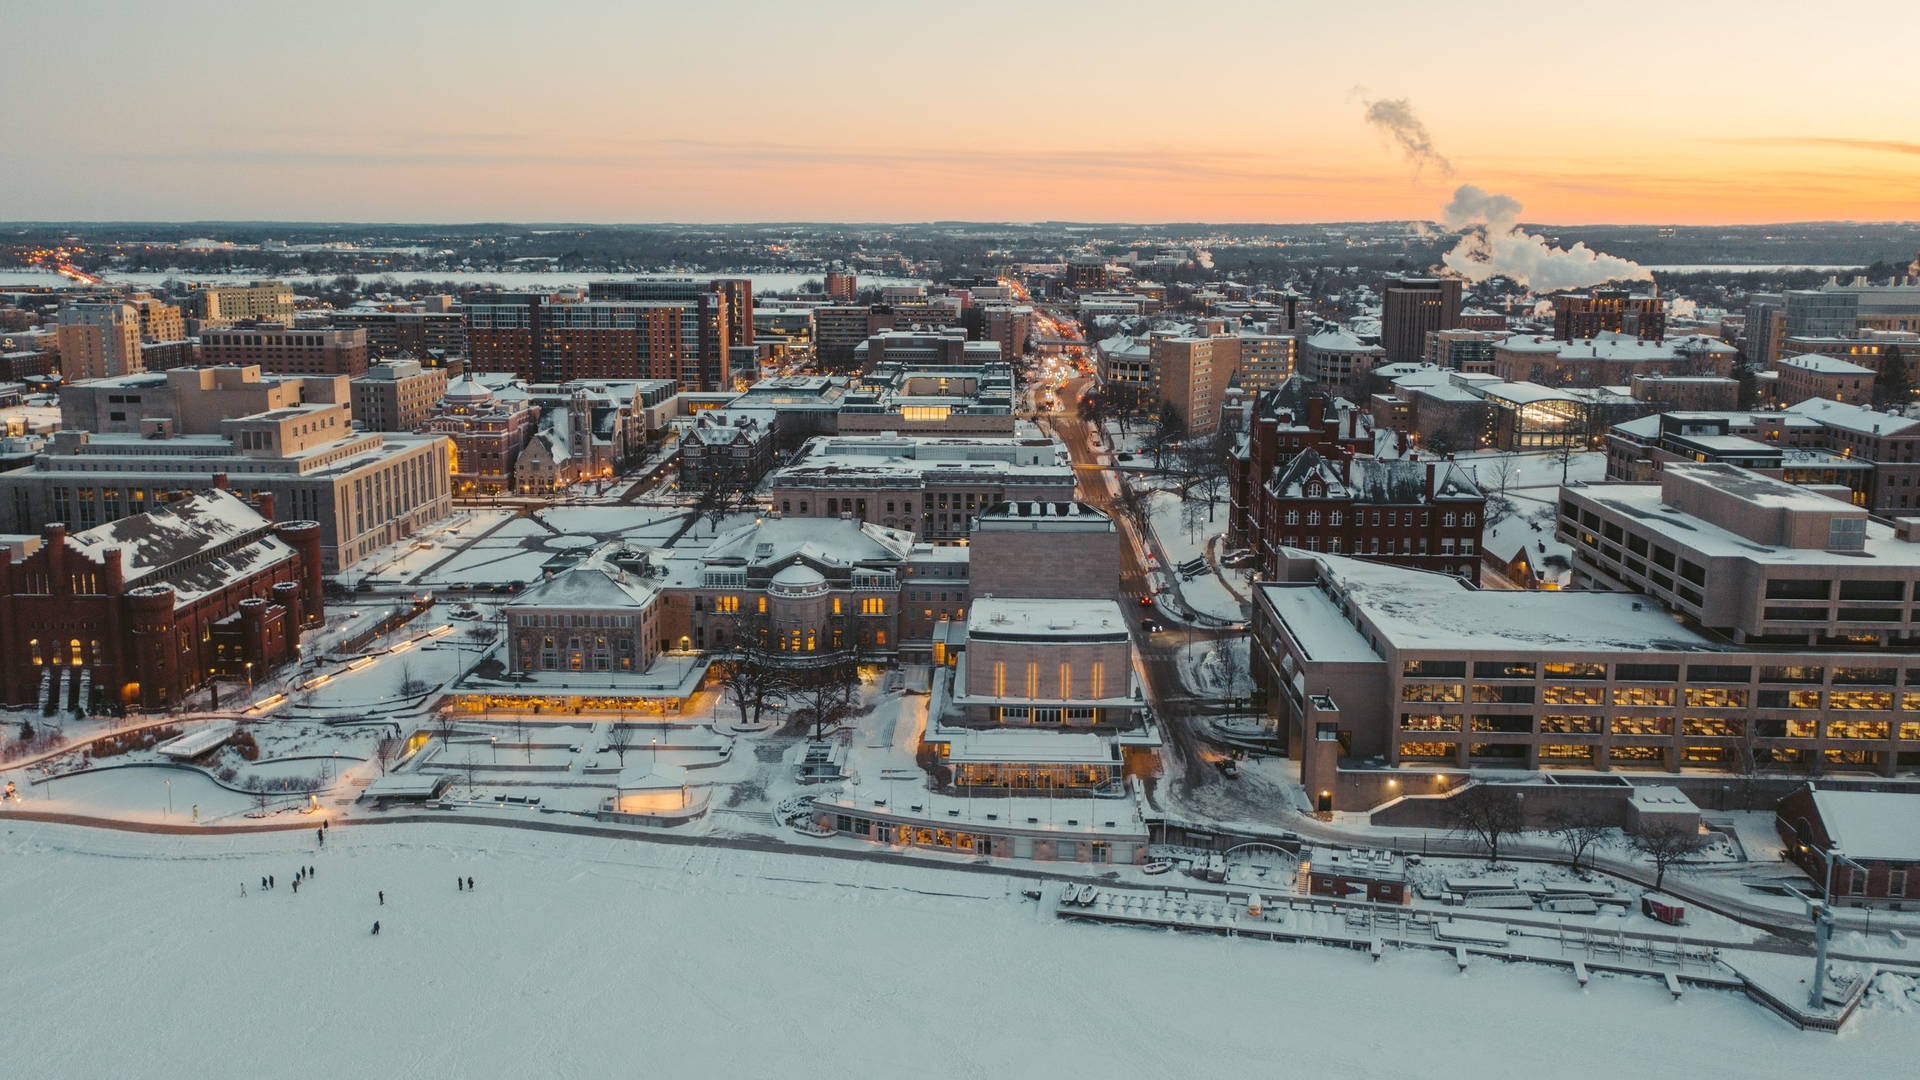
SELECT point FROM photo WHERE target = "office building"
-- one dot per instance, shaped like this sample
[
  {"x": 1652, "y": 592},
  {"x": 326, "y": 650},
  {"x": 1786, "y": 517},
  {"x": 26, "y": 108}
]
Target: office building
[
  {"x": 397, "y": 395},
  {"x": 366, "y": 490},
  {"x": 1829, "y": 377},
  {"x": 1414, "y": 307}
]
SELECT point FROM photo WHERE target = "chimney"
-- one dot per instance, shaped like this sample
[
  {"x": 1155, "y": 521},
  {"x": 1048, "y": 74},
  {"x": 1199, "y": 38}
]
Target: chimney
[
  {"x": 220, "y": 480},
  {"x": 1429, "y": 481},
  {"x": 264, "y": 503},
  {"x": 1346, "y": 471}
]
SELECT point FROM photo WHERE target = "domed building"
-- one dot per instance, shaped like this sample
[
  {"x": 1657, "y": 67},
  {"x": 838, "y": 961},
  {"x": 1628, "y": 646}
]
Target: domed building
[{"x": 486, "y": 433}]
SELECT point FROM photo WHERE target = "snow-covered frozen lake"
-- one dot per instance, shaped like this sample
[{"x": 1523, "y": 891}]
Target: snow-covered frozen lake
[{"x": 578, "y": 956}]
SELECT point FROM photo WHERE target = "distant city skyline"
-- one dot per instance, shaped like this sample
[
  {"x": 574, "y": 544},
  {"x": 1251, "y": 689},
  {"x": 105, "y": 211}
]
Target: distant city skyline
[{"x": 843, "y": 110}]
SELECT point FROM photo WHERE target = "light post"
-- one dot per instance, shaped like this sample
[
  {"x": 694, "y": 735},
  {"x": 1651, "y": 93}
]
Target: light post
[
  {"x": 494, "y": 741},
  {"x": 656, "y": 752},
  {"x": 249, "y": 678},
  {"x": 1823, "y": 925}
]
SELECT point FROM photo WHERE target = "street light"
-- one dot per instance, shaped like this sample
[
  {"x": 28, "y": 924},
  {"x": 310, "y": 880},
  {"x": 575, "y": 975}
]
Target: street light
[
  {"x": 1823, "y": 925},
  {"x": 494, "y": 741}
]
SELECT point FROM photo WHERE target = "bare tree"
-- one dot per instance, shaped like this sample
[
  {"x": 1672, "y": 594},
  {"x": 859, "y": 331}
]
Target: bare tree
[
  {"x": 1579, "y": 828},
  {"x": 1501, "y": 471},
  {"x": 720, "y": 496},
  {"x": 386, "y": 750},
  {"x": 411, "y": 684},
  {"x": 750, "y": 674},
  {"x": 825, "y": 692},
  {"x": 1664, "y": 845},
  {"x": 1487, "y": 813},
  {"x": 620, "y": 738},
  {"x": 445, "y": 723}
]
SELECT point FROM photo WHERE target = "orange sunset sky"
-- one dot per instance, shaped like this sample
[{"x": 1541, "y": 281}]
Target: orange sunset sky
[{"x": 1683, "y": 113}]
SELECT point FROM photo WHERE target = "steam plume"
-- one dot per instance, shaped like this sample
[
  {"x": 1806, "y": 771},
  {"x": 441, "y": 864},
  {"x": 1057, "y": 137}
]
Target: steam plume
[
  {"x": 1492, "y": 244},
  {"x": 1394, "y": 116}
]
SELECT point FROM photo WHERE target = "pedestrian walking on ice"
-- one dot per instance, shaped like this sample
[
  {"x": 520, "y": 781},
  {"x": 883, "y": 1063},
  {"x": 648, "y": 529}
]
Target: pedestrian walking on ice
[
  {"x": 296, "y": 886},
  {"x": 376, "y": 928},
  {"x": 469, "y": 884},
  {"x": 460, "y": 884},
  {"x": 269, "y": 881},
  {"x": 243, "y": 888},
  {"x": 383, "y": 898},
  {"x": 263, "y": 883}
]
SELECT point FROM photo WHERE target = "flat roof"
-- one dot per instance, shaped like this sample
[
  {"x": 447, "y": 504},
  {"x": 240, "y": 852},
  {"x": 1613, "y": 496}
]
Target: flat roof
[
  {"x": 1641, "y": 502},
  {"x": 994, "y": 617},
  {"x": 1417, "y": 610},
  {"x": 1317, "y": 624}
]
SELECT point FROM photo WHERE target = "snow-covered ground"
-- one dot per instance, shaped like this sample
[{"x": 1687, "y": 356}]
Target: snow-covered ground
[
  {"x": 1182, "y": 539},
  {"x": 589, "y": 956},
  {"x": 1532, "y": 491},
  {"x": 1209, "y": 674}
]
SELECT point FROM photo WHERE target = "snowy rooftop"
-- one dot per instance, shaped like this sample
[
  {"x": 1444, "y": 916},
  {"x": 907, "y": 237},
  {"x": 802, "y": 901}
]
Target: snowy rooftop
[
  {"x": 155, "y": 545},
  {"x": 1417, "y": 610},
  {"x": 1855, "y": 418},
  {"x": 1609, "y": 346},
  {"x": 1644, "y": 503},
  {"x": 1872, "y": 824},
  {"x": 833, "y": 541},
  {"x": 1824, "y": 365},
  {"x": 594, "y": 584},
  {"x": 998, "y": 617},
  {"x": 1312, "y": 619},
  {"x": 992, "y": 745}
]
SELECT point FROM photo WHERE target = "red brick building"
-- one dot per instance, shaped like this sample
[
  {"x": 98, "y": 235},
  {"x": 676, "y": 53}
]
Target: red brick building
[
  {"x": 138, "y": 612},
  {"x": 1280, "y": 424},
  {"x": 1422, "y": 514},
  {"x": 1878, "y": 832}
]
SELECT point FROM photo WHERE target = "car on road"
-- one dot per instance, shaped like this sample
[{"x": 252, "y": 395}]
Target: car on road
[
  {"x": 1228, "y": 769},
  {"x": 1148, "y": 626}
]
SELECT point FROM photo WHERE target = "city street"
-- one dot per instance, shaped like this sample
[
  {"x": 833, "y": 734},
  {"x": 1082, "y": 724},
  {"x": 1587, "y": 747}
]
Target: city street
[{"x": 1158, "y": 650}]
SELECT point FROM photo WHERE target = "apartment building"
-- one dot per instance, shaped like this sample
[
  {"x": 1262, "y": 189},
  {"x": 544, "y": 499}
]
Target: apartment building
[
  {"x": 99, "y": 340},
  {"x": 279, "y": 350},
  {"x": 1191, "y": 375},
  {"x": 1582, "y": 315},
  {"x": 267, "y": 301}
]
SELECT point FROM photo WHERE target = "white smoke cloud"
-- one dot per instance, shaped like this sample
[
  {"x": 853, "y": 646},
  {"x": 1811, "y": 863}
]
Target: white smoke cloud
[
  {"x": 1204, "y": 258},
  {"x": 1679, "y": 307},
  {"x": 1492, "y": 244},
  {"x": 1395, "y": 117}
]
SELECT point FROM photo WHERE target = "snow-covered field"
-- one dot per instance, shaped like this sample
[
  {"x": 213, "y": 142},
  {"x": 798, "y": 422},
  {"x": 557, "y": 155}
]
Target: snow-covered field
[{"x": 576, "y": 956}]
